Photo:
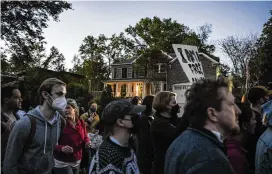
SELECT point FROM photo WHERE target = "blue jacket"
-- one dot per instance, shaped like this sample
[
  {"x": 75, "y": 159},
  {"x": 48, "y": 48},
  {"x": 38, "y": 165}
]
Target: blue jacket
[
  {"x": 197, "y": 152},
  {"x": 263, "y": 159}
]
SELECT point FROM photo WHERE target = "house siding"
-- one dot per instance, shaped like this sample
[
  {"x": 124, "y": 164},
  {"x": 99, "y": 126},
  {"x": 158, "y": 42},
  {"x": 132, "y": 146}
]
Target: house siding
[{"x": 176, "y": 74}]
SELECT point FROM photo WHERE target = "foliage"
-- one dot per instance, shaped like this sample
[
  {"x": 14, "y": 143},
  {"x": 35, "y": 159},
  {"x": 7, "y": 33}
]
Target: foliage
[
  {"x": 224, "y": 69},
  {"x": 240, "y": 50},
  {"x": 22, "y": 23},
  {"x": 155, "y": 36},
  {"x": 109, "y": 48},
  {"x": 106, "y": 97},
  {"x": 76, "y": 90},
  {"x": 55, "y": 61},
  {"x": 263, "y": 59},
  {"x": 94, "y": 70}
]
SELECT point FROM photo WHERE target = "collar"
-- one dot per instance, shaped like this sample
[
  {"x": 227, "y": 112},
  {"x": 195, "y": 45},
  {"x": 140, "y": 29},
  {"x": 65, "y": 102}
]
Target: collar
[
  {"x": 115, "y": 141},
  {"x": 218, "y": 136},
  {"x": 49, "y": 121},
  {"x": 211, "y": 136}
]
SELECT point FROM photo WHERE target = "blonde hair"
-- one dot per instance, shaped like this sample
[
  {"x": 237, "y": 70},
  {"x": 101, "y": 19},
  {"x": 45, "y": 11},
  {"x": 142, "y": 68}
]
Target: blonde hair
[{"x": 161, "y": 100}]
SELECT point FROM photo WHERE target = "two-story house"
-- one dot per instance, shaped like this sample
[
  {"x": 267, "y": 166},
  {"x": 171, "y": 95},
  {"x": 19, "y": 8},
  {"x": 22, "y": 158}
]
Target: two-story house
[
  {"x": 165, "y": 77},
  {"x": 125, "y": 75}
]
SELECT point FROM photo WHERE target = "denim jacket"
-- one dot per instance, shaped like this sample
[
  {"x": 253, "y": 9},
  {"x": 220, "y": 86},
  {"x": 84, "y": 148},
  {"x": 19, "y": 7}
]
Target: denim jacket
[{"x": 263, "y": 159}]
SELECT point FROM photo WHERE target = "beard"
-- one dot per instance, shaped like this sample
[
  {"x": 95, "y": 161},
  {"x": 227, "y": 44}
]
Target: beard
[{"x": 234, "y": 129}]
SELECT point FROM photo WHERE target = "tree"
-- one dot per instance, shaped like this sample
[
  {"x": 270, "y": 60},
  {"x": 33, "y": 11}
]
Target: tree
[
  {"x": 263, "y": 59},
  {"x": 95, "y": 71},
  {"x": 22, "y": 25},
  {"x": 112, "y": 48},
  {"x": 55, "y": 61},
  {"x": 155, "y": 36},
  {"x": 224, "y": 69},
  {"x": 240, "y": 50}
]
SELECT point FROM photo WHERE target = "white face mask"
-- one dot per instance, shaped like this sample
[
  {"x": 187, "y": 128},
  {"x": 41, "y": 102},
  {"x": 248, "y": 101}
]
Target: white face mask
[{"x": 59, "y": 103}]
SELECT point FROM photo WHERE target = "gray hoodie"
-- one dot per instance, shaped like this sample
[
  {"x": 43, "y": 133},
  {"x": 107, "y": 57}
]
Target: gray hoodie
[{"x": 38, "y": 157}]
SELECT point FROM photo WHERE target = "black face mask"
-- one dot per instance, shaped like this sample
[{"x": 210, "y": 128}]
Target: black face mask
[
  {"x": 175, "y": 110},
  {"x": 93, "y": 109},
  {"x": 136, "y": 127}
]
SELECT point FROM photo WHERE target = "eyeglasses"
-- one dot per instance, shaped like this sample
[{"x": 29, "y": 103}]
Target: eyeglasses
[
  {"x": 127, "y": 119},
  {"x": 131, "y": 117}
]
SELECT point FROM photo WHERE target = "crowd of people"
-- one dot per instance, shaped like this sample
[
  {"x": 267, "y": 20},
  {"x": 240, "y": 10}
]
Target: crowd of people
[{"x": 217, "y": 133}]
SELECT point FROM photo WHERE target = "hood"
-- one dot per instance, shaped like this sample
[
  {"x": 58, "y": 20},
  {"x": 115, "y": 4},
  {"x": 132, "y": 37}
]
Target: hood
[{"x": 36, "y": 113}]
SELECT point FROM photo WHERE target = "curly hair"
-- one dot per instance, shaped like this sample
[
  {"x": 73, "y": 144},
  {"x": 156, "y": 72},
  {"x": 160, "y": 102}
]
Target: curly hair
[{"x": 202, "y": 95}]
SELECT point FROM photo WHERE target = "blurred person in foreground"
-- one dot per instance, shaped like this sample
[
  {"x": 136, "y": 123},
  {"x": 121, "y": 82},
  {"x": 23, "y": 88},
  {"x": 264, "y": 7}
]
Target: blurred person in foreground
[
  {"x": 263, "y": 162},
  {"x": 115, "y": 155},
  {"x": 257, "y": 96},
  {"x": 236, "y": 142},
  {"x": 212, "y": 115}
]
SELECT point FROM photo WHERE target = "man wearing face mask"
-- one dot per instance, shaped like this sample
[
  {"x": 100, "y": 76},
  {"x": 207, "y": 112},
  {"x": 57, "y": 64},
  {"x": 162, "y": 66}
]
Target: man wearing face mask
[
  {"x": 114, "y": 154},
  {"x": 34, "y": 154}
]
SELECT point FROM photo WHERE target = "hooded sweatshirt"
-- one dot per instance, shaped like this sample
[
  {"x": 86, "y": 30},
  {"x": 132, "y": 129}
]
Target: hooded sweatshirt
[{"x": 38, "y": 157}]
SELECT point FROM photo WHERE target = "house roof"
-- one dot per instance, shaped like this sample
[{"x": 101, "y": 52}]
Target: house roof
[
  {"x": 213, "y": 59},
  {"x": 51, "y": 71},
  {"x": 125, "y": 61}
]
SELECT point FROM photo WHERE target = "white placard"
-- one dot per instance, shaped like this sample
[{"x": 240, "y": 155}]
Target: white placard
[{"x": 189, "y": 61}]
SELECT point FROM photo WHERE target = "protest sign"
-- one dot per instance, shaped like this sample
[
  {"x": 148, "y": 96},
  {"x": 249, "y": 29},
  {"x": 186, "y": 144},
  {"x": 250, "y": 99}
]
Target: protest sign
[{"x": 189, "y": 61}]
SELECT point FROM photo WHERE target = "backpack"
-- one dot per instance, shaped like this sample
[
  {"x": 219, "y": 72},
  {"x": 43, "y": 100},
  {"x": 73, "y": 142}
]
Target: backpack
[{"x": 33, "y": 130}]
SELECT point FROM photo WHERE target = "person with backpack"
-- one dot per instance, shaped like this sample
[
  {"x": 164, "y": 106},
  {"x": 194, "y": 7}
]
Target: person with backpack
[
  {"x": 68, "y": 153},
  {"x": 11, "y": 102},
  {"x": 33, "y": 138}
]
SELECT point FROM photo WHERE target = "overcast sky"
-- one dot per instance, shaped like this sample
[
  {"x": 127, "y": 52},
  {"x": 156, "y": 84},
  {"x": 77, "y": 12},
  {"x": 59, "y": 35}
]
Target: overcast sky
[{"x": 94, "y": 18}]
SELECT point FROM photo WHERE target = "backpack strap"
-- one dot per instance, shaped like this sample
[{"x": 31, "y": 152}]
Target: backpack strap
[
  {"x": 62, "y": 126},
  {"x": 32, "y": 133},
  {"x": 62, "y": 123}
]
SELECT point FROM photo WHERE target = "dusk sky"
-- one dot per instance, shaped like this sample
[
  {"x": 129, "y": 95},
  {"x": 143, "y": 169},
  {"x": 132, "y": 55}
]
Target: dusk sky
[{"x": 94, "y": 18}]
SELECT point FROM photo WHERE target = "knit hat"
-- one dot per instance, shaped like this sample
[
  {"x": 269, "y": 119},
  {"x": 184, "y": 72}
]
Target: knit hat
[{"x": 118, "y": 109}]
